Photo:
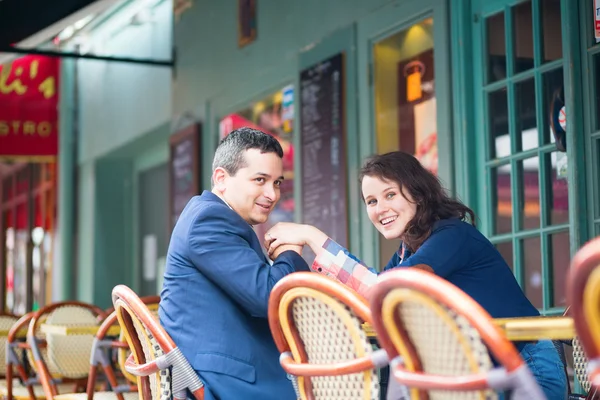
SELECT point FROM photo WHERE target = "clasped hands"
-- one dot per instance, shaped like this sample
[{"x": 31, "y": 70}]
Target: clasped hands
[{"x": 291, "y": 236}]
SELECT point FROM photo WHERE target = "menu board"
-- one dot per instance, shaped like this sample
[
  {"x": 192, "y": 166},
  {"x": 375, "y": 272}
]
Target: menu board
[
  {"x": 323, "y": 150},
  {"x": 184, "y": 177}
]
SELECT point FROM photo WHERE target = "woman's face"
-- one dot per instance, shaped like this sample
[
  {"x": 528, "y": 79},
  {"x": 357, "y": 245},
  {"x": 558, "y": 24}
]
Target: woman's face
[{"x": 387, "y": 208}]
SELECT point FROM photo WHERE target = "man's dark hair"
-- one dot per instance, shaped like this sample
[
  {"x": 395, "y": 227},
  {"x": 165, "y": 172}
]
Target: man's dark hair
[
  {"x": 230, "y": 152},
  {"x": 425, "y": 188}
]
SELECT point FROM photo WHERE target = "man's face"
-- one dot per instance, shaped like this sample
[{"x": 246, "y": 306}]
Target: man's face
[{"x": 254, "y": 190}]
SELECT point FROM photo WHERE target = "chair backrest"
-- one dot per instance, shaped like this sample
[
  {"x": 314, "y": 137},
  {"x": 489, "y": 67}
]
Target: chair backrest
[
  {"x": 162, "y": 370},
  {"x": 438, "y": 339},
  {"x": 64, "y": 356},
  {"x": 6, "y": 322},
  {"x": 583, "y": 296},
  {"x": 16, "y": 341},
  {"x": 316, "y": 323},
  {"x": 152, "y": 303}
]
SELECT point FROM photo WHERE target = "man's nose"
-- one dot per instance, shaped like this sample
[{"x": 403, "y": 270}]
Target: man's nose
[{"x": 270, "y": 193}]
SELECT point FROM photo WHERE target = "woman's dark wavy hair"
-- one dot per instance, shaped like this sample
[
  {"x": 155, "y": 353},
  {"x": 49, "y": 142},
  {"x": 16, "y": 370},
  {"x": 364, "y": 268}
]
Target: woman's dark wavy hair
[{"x": 426, "y": 190}]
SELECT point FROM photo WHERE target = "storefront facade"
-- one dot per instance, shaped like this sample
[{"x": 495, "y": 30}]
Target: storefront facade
[
  {"x": 481, "y": 91},
  {"x": 487, "y": 94}
]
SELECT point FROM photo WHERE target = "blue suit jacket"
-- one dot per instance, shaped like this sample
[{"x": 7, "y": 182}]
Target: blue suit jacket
[{"x": 214, "y": 302}]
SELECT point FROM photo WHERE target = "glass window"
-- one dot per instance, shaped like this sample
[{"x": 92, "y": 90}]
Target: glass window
[
  {"x": 526, "y": 187},
  {"x": 523, "y": 37},
  {"x": 496, "y": 48},
  {"x": 405, "y": 104}
]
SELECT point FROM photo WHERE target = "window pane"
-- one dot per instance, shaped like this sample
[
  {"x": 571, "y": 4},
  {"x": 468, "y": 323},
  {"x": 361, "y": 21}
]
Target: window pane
[
  {"x": 405, "y": 103},
  {"x": 533, "y": 270},
  {"x": 530, "y": 193},
  {"x": 498, "y": 125},
  {"x": 523, "y": 36},
  {"x": 496, "y": 47},
  {"x": 552, "y": 36},
  {"x": 560, "y": 265},
  {"x": 596, "y": 99},
  {"x": 527, "y": 133},
  {"x": 404, "y": 100},
  {"x": 506, "y": 251},
  {"x": 558, "y": 195},
  {"x": 502, "y": 200},
  {"x": 553, "y": 102}
]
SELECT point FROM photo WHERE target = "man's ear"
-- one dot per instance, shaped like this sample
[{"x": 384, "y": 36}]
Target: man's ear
[{"x": 219, "y": 176}]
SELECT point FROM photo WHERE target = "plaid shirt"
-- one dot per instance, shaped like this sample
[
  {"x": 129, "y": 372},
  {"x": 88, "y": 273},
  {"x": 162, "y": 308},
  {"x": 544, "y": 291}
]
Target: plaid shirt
[{"x": 337, "y": 263}]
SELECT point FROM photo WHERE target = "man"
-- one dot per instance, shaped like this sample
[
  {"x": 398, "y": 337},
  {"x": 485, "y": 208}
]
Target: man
[{"x": 217, "y": 280}]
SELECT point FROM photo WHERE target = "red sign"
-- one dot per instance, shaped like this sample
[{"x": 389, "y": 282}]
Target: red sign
[{"x": 29, "y": 108}]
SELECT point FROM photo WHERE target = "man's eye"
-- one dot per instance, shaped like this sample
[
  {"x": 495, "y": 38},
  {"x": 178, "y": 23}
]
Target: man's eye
[
  {"x": 277, "y": 183},
  {"x": 260, "y": 180}
]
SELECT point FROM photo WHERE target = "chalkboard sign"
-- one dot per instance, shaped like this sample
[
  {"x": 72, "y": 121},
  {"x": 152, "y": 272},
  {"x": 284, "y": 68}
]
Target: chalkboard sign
[
  {"x": 184, "y": 176},
  {"x": 323, "y": 149}
]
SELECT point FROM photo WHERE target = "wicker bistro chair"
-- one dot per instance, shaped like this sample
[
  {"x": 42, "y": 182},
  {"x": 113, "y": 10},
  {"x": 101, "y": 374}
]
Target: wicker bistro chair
[
  {"x": 59, "y": 357},
  {"x": 163, "y": 371},
  {"x": 6, "y": 322},
  {"x": 436, "y": 336},
  {"x": 22, "y": 387},
  {"x": 101, "y": 356},
  {"x": 583, "y": 295},
  {"x": 316, "y": 323}
]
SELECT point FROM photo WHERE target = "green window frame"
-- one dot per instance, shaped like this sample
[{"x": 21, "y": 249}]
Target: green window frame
[{"x": 537, "y": 232}]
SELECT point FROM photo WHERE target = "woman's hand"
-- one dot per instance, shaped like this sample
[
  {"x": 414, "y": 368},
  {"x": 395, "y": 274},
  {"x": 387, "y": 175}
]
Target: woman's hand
[{"x": 289, "y": 233}]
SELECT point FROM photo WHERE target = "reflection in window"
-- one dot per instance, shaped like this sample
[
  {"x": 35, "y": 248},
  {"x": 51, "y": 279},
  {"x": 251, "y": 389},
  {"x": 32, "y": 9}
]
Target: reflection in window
[
  {"x": 530, "y": 192},
  {"x": 405, "y": 103},
  {"x": 561, "y": 259},
  {"x": 523, "y": 36},
  {"x": 502, "y": 199},
  {"x": 533, "y": 271},
  {"x": 558, "y": 195},
  {"x": 274, "y": 115},
  {"x": 553, "y": 83},
  {"x": 496, "y": 47},
  {"x": 498, "y": 115},
  {"x": 527, "y": 138},
  {"x": 552, "y": 36}
]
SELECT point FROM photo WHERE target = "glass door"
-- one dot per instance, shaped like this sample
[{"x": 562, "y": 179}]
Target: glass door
[{"x": 405, "y": 98}]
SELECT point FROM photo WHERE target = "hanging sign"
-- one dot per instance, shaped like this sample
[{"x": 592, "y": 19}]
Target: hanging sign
[{"x": 29, "y": 108}]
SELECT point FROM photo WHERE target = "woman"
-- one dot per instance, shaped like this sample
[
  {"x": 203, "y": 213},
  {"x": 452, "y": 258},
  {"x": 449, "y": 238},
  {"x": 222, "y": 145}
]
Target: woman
[{"x": 405, "y": 201}]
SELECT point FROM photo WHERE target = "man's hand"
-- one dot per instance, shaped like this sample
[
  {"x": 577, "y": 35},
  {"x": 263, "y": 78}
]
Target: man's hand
[
  {"x": 285, "y": 247},
  {"x": 284, "y": 233}
]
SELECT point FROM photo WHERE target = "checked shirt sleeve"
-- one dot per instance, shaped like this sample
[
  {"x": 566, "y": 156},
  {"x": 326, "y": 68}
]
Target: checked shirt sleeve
[{"x": 338, "y": 263}]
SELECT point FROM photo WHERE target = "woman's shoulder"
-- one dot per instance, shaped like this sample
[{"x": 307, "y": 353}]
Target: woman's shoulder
[{"x": 452, "y": 223}]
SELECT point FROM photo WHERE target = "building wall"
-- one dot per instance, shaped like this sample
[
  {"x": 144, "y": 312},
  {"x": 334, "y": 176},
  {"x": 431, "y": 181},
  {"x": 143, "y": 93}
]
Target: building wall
[
  {"x": 216, "y": 68},
  {"x": 120, "y": 106}
]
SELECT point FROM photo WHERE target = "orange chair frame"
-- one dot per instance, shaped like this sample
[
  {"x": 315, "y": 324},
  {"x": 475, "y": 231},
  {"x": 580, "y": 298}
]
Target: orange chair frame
[
  {"x": 445, "y": 293},
  {"x": 329, "y": 287},
  {"x": 585, "y": 309},
  {"x": 141, "y": 311},
  {"x": 50, "y": 389},
  {"x": 23, "y": 345}
]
